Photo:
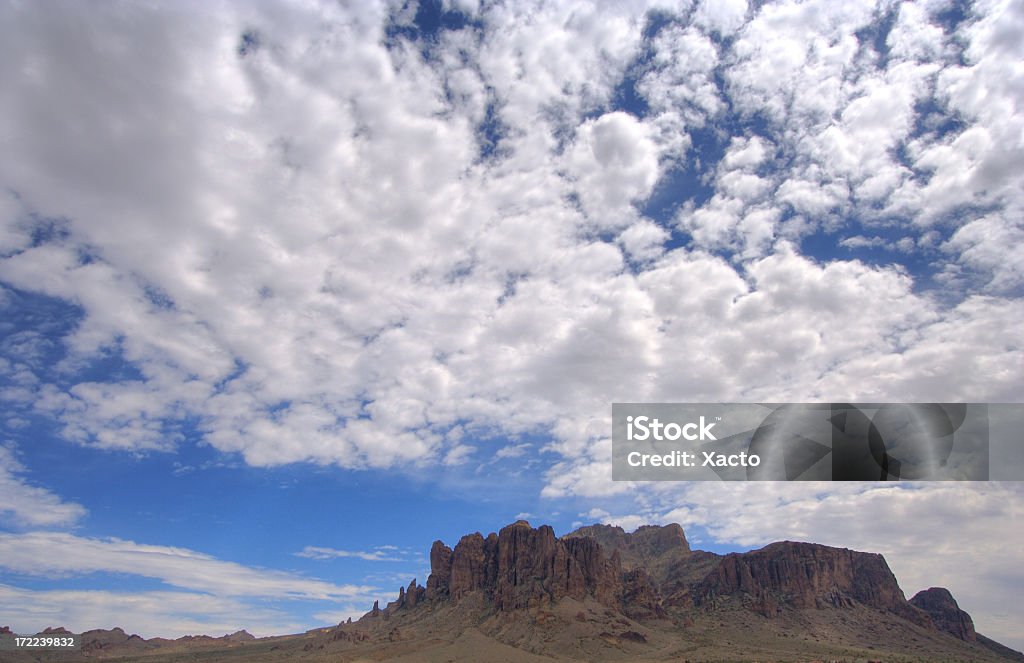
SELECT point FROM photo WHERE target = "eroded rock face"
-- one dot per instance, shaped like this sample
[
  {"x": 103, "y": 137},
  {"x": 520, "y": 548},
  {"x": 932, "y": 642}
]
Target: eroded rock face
[
  {"x": 654, "y": 540},
  {"x": 521, "y": 567},
  {"x": 641, "y": 548},
  {"x": 640, "y": 598},
  {"x": 807, "y": 575},
  {"x": 440, "y": 571},
  {"x": 602, "y": 575},
  {"x": 532, "y": 565},
  {"x": 469, "y": 565},
  {"x": 945, "y": 613}
]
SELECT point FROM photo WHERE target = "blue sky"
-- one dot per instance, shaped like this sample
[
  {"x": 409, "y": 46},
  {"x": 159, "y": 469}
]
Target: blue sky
[{"x": 289, "y": 291}]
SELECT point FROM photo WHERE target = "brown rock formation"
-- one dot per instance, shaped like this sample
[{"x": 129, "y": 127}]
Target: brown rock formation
[
  {"x": 239, "y": 636},
  {"x": 806, "y": 575},
  {"x": 650, "y": 546},
  {"x": 467, "y": 572},
  {"x": 440, "y": 571},
  {"x": 640, "y": 598},
  {"x": 945, "y": 613},
  {"x": 521, "y": 567}
]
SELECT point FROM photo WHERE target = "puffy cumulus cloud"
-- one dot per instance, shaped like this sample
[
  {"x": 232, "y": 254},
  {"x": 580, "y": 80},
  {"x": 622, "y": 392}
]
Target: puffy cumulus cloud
[
  {"x": 643, "y": 240},
  {"x": 885, "y": 114},
  {"x": 928, "y": 534},
  {"x": 28, "y": 505},
  {"x": 791, "y": 60},
  {"x": 791, "y": 329},
  {"x": 721, "y": 17},
  {"x": 614, "y": 163},
  {"x": 312, "y": 238},
  {"x": 740, "y": 216},
  {"x": 547, "y": 63},
  {"x": 994, "y": 245},
  {"x": 679, "y": 83}
]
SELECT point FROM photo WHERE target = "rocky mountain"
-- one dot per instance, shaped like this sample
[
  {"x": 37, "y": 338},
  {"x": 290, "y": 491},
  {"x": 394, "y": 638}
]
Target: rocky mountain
[
  {"x": 651, "y": 584},
  {"x": 523, "y": 594}
]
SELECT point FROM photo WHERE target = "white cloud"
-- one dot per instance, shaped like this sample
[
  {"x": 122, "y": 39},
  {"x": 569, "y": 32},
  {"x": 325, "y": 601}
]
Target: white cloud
[
  {"x": 680, "y": 85},
  {"x": 513, "y": 451},
  {"x": 861, "y": 242},
  {"x": 56, "y": 554},
  {"x": 614, "y": 162},
  {"x": 28, "y": 505},
  {"x": 343, "y": 280},
  {"x": 723, "y": 16},
  {"x": 745, "y": 153},
  {"x": 321, "y": 553},
  {"x": 643, "y": 240},
  {"x": 993, "y": 244}
]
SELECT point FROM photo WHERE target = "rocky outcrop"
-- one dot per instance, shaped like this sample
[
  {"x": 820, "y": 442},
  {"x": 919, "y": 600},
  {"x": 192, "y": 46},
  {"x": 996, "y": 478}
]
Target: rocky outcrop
[
  {"x": 806, "y": 575},
  {"x": 440, "y": 571},
  {"x": 408, "y": 597},
  {"x": 650, "y": 547},
  {"x": 945, "y": 613},
  {"x": 472, "y": 565},
  {"x": 601, "y": 574},
  {"x": 239, "y": 636},
  {"x": 413, "y": 595},
  {"x": 114, "y": 639},
  {"x": 640, "y": 598},
  {"x": 654, "y": 540},
  {"x": 520, "y": 567}
]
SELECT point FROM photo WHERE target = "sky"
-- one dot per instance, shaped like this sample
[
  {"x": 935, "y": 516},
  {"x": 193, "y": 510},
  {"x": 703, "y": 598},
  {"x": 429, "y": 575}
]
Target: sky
[{"x": 290, "y": 290}]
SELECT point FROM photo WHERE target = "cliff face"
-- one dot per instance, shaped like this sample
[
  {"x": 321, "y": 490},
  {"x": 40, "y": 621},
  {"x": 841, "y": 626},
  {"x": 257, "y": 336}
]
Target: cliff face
[
  {"x": 806, "y": 575},
  {"x": 651, "y": 548},
  {"x": 945, "y": 613},
  {"x": 520, "y": 567}
]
